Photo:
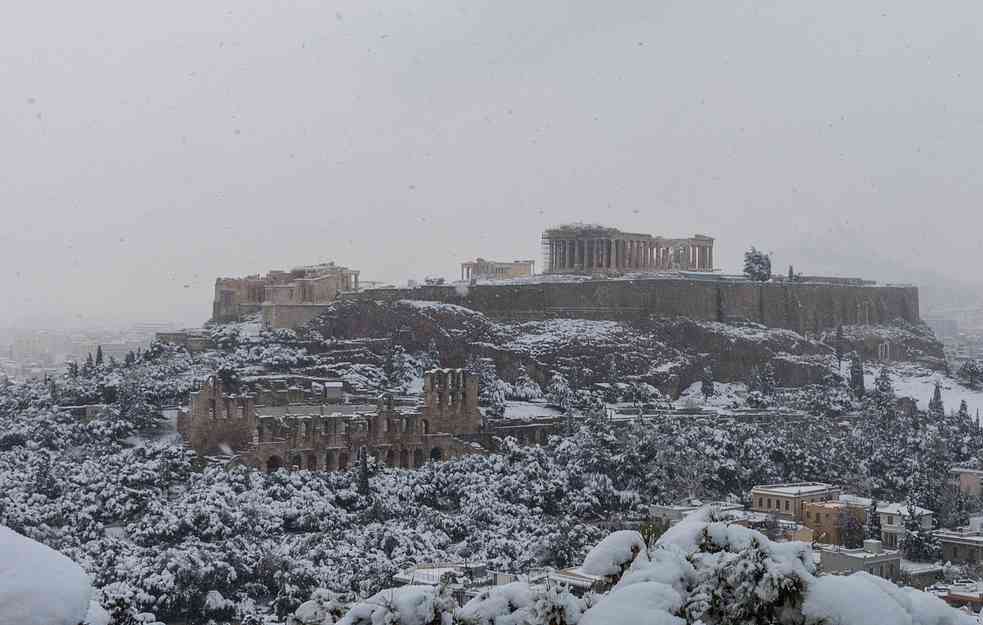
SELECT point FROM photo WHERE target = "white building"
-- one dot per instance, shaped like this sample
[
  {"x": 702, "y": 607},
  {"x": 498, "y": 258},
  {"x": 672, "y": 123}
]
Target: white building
[
  {"x": 871, "y": 558},
  {"x": 785, "y": 500},
  {"x": 894, "y": 518}
]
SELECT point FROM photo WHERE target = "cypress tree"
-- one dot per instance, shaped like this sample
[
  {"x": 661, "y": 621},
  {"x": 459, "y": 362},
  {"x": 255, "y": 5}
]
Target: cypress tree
[
  {"x": 839, "y": 347},
  {"x": 363, "y": 472}
]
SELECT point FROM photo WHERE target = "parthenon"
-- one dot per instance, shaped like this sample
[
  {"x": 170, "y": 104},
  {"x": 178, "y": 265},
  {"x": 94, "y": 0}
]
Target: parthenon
[{"x": 585, "y": 248}]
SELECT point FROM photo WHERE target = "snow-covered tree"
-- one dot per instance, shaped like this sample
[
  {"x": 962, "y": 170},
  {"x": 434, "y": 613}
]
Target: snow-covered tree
[
  {"x": 558, "y": 392},
  {"x": 398, "y": 368},
  {"x": 857, "y": 384},
  {"x": 971, "y": 372},
  {"x": 769, "y": 382},
  {"x": 525, "y": 388},
  {"x": 935, "y": 406},
  {"x": 839, "y": 348},
  {"x": 757, "y": 265},
  {"x": 706, "y": 384}
]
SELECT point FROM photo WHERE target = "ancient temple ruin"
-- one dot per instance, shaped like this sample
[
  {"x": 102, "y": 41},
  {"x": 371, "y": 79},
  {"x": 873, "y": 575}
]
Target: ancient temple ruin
[
  {"x": 307, "y": 423},
  {"x": 301, "y": 286},
  {"x": 586, "y": 248}
]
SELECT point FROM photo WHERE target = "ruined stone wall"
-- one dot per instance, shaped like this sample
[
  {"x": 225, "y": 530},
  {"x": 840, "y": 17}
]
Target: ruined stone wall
[
  {"x": 217, "y": 420},
  {"x": 802, "y": 307},
  {"x": 290, "y": 315}
]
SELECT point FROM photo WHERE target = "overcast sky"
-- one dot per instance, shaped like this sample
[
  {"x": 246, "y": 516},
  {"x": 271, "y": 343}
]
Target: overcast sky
[{"x": 148, "y": 147}]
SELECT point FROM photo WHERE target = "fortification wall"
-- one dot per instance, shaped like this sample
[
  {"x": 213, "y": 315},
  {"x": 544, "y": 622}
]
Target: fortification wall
[
  {"x": 290, "y": 315},
  {"x": 801, "y": 307}
]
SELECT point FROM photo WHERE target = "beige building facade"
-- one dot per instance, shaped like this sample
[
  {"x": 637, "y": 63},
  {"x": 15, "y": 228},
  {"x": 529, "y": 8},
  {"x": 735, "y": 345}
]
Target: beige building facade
[
  {"x": 308, "y": 285},
  {"x": 585, "y": 248},
  {"x": 786, "y": 500},
  {"x": 481, "y": 269},
  {"x": 829, "y": 519}
]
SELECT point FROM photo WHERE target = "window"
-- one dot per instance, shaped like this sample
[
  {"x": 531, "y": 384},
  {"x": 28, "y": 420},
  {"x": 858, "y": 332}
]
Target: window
[
  {"x": 761, "y": 502},
  {"x": 769, "y": 503},
  {"x": 890, "y": 519},
  {"x": 786, "y": 505}
]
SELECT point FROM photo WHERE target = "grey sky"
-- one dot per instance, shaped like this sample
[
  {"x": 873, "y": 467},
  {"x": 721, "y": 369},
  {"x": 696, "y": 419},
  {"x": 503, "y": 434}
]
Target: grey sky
[{"x": 148, "y": 147}]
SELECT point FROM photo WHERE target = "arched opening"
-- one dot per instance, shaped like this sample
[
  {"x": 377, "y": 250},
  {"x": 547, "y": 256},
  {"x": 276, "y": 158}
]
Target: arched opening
[
  {"x": 330, "y": 457},
  {"x": 343, "y": 461},
  {"x": 418, "y": 458},
  {"x": 311, "y": 462},
  {"x": 273, "y": 463},
  {"x": 404, "y": 459},
  {"x": 426, "y": 426},
  {"x": 436, "y": 454},
  {"x": 390, "y": 458},
  {"x": 296, "y": 462}
]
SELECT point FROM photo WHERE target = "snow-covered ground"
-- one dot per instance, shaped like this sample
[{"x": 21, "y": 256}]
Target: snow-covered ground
[
  {"x": 529, "y": 409},
  {"x": 553, "y": 333},
  {"x": 919, "y": 384},
  {"x": 725, "y": 395}
]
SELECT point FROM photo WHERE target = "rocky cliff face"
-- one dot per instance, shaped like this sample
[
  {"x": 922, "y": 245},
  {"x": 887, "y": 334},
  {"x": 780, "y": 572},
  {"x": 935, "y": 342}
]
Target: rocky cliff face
[
  {"x": 669, "y": 354},
  {"x": 898, "y": 341}
]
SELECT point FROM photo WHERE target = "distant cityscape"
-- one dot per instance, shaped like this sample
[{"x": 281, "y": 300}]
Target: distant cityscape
[{"x": 33, "y": 354}]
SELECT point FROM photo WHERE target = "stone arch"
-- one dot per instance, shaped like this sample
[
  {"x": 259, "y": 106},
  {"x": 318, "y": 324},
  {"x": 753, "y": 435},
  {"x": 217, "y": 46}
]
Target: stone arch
[
  {"x": 296, "y": 462},
  {"x": 390, "y": 458},
  {"x": 417, "y": 458},
  {"x": 273, "y": 463},
  {"x": 330, "y": 460},
  {"x": 404, "y": 458},
  {"x": 343, "y": 461},
  {"x": 436, "y": 454}
]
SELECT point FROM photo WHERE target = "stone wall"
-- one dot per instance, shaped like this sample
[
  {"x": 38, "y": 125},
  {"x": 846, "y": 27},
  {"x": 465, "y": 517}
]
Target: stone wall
[
  {"x": 290, "y": 315},
  {"x": 802, "y": 307}
]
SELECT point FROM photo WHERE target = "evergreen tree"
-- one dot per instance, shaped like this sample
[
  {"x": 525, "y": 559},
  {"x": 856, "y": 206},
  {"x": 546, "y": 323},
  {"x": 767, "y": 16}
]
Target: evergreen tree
[
  {"x": 872, "y": 528},
  {"x": 754, "y": 380},
  {"x": 768, "y": 381},
  {"x": 857, "y": 384},
  {"x": 88, "y": 367},
  {"x": 971, "y": 372},
  {"x": 558, "y": 392},
  {"x": 433, "y": 352},
  {"x": 851, "y": 531},
  {"x": 935, "y": 406},
  {"x": 99, "y": 358},
  {"x": 882, "y": 401},
  {"x": 43, "y": 482},
  {"x": 757, "y": 265},
  {"x": 398, "y": 368},
  {"x": 839, "y": 349},
  {"x": 791, "y": 273},
  {"x": 363, "y": 472},
  {"x": 918, "y": 543},
  {"x": 706, "y": 385}
]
